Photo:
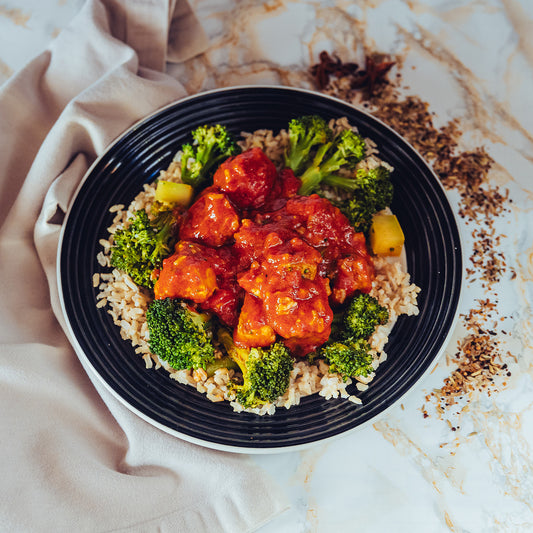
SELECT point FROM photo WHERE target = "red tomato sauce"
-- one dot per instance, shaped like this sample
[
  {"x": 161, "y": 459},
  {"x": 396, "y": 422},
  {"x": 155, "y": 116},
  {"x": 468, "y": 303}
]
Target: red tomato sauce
[{"x": 269, "y": 263}]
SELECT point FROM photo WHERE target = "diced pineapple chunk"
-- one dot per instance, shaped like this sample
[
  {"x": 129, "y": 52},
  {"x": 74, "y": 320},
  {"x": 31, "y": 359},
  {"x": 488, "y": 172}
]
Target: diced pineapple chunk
[
  {"x": 170, "y": 192},
  {"x": 386, "y": 235}
]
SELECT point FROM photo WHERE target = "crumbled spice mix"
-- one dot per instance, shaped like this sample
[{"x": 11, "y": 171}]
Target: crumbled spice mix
[
  {"x": 486, "y": 261},
  {"x": 479, "y": 359}
]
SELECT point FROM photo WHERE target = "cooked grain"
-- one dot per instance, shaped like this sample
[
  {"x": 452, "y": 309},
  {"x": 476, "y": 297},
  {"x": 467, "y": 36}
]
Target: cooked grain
[{"x": 127, "y": 303}]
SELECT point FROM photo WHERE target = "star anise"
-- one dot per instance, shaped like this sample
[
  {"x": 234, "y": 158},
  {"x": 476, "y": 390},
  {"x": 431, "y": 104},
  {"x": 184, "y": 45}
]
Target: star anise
[
  {"x": 374, "y": 72},
  {"x": 331, "y": 66}
]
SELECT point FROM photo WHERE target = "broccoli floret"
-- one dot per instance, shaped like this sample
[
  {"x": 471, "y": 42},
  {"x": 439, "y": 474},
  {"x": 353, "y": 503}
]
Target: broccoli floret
[
  {"x": 349, "y": 357},
  {"x": 211, "y": 145},
  {"x": 306, "y": 133},
  {"x": 266, "y": 371},
  {"x": 179, "y": 335},
  {"x": 320, "y": 159},
  {"x": 343, "y": 152},
  {"x": 141, "y": 247},
  {"x": 362, "y": 316},
  {"x": 372, "y": 192},
  {"x": 222, "y": 362},
  {"x": 348, "y": 351}
]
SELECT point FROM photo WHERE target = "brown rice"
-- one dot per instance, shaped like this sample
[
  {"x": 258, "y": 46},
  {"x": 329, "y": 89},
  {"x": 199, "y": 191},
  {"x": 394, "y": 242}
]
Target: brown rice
[{"x": 127, "y": 303}]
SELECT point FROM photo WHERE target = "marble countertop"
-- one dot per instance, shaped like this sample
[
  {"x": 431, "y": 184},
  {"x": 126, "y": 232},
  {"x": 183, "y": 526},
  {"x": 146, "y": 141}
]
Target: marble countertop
[{"x": 423, "y": 466}]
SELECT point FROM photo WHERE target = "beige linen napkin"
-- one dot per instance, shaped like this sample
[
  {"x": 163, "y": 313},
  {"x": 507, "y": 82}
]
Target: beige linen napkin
[{"x": 73, "y": 459}]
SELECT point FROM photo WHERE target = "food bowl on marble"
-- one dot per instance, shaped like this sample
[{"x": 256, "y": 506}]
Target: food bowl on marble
[{"x": 432, "y": 254}]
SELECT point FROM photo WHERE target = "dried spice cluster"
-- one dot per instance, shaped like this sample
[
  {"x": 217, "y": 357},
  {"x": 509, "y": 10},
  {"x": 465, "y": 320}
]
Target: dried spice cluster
[
  {"x": 478, "y": 358},
  {"x": 329, "y": 69}
]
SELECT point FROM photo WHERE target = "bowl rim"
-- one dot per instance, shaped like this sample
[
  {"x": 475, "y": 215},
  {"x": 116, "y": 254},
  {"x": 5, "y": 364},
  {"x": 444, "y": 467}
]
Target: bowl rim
[{"x": 91, "y": 371}]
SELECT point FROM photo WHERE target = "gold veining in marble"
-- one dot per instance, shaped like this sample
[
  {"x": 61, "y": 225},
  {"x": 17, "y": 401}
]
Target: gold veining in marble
[
  {"x": 522, "y": 25},
  {"x": 16, "y": 16},
  {"x": 491, "y": 443}
]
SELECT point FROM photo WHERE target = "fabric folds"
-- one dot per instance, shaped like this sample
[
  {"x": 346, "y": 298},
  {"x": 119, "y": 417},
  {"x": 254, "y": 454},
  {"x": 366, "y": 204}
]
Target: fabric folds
[{"x": 74, "y": 458}]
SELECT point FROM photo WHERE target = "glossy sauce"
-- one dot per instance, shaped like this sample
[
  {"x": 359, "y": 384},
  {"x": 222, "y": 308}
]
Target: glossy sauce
[
  {"x": 211, "y": 220},
  {"x": 247, "y": 178},
  {"x": 269, "y": 263}
]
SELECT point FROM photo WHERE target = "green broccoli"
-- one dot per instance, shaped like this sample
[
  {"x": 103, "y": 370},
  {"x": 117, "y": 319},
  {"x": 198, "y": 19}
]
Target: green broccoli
[
  {"x": 320, "y": 159},
  {"x": 211, "y": 145},
  {"x": 180, "y": 335},
  {"x": 342, "y": 152},
  {"x": 348, "y": 351},
  {"x": 266, "y": 371},
  {"x": 349, "y": 357},
  {"x": 372, "y": 192},
  {"x": 221, "y": 362},
  {"x": 141, "y": 246},
  {"x": 306, "y": 133},
  {"x": 362, "y": 316}
]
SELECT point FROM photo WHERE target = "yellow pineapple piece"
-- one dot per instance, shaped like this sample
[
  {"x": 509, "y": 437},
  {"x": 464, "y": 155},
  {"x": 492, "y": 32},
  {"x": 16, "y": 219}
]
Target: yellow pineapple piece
[
  {"x": 169, "y": 192},
  {"x": 386, "y": 235}
]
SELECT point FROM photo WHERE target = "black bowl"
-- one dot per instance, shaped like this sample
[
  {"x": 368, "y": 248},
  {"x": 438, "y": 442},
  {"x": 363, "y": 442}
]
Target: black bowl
[{"x": 433, "y": 254}]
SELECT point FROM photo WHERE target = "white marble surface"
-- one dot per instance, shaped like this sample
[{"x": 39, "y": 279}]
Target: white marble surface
[{"x": 470, "y": 60}]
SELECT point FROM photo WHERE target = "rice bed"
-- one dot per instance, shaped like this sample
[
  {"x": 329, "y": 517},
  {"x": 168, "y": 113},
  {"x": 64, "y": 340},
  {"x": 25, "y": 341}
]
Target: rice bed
[{"x": 127, "y": 303}]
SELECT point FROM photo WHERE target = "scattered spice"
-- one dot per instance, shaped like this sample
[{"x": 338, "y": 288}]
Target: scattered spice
[
  {"x": 485, "y": 257},
  {"x": 374, "y": 72},
  {"x": 478, "y": 360},
  {"x": 478, "y": 357},
  {"x": 328, "y": 67}
]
